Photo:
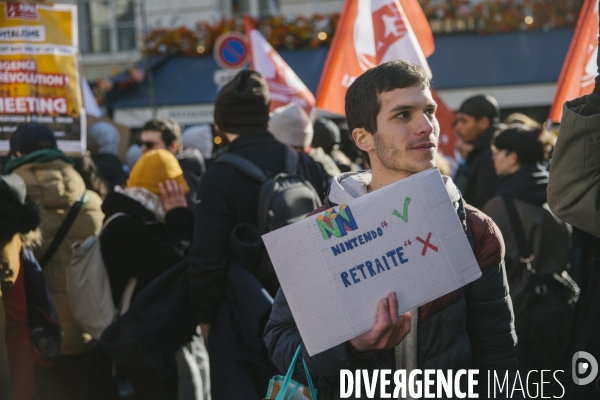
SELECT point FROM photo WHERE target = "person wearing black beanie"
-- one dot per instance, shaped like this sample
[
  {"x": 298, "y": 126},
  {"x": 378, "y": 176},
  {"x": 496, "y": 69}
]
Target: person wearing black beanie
[
  {"x": 242, "y": 105},
  {"x": 476, "y": 122},
  {"x": 229, "y": 199},
  {"x": 31, "y": 137}
]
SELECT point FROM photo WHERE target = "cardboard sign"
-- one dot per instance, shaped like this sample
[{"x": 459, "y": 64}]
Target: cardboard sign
[
  {"x": 39, "y": 72},
  {"x": 335, "y": 266}
]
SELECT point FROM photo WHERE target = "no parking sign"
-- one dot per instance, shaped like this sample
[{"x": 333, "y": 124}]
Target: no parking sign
[{"x": 231, "y": 50}]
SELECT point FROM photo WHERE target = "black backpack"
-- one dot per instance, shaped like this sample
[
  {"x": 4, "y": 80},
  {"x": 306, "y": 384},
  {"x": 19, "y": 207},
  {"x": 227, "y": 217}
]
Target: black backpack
[
  {"x": 549, "y": 298},
  {"x": 284, "y": 199}
]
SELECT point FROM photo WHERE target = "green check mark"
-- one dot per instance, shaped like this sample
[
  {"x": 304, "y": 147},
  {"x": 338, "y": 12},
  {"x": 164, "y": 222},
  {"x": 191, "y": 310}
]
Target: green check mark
[{"x": 404, "y": 215}]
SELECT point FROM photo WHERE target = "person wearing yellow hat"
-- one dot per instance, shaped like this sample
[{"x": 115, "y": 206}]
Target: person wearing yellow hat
[
  {"x": 148, "y": 229},
  {"x": 155, "y": 167}
]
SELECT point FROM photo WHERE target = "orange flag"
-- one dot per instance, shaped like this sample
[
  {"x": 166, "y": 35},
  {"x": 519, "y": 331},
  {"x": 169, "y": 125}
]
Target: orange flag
[
  {"x": 445, "y": 117},
  {"x": 284, "y": 85},
  {"x": 579, "y": 70},
  {"x": 369, "y": 33}
]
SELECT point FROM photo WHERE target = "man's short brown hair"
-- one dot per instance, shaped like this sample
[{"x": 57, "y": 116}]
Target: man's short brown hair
[
  {"x": 362, "y": 97},
  {"x": 169, "y": 129}
]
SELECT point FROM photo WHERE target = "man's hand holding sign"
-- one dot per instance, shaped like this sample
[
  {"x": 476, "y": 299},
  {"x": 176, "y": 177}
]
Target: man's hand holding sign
[{"x": 388, "y": 332}]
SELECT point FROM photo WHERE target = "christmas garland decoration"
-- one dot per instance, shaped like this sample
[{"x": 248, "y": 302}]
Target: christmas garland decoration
[
  {"x": 299, "y": 32},
  {"x": 291, "y": 33}
]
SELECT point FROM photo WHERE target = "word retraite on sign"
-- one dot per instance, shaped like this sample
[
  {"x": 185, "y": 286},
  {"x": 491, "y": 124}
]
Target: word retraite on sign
[{"x": 405, "y": 238}]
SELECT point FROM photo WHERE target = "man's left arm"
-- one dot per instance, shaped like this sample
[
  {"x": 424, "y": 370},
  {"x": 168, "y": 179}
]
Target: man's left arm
[{"x": 490, "y": 318}]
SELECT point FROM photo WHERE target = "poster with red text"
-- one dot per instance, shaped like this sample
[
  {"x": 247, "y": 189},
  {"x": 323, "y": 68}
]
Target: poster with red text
[{"x": 39, "y": 72}]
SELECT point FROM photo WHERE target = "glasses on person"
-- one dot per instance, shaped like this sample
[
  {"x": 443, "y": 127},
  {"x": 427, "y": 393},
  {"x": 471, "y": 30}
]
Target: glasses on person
[{"x": 148, "y": 145}]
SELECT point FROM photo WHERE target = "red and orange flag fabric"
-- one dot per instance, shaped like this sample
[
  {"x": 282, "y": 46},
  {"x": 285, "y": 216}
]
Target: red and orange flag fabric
[
  {"x": 284, "y": 85},
  {"x": 580, "y": 68},
  {"x": 445, "y": 117},
  {"x": 369, "y": 33}
]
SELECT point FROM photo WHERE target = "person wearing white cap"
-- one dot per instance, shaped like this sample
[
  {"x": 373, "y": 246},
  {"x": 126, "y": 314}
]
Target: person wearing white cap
[{"x": 292, "y": 126}]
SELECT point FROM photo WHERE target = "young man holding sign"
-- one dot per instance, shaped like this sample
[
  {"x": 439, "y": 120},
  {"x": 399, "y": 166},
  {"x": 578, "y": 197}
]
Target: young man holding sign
[{"x": 391, "y": 115}]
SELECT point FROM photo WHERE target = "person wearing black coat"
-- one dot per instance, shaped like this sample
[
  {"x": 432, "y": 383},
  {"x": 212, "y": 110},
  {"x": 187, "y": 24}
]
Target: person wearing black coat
[
  {"x": 228, "y": 198},
  {"x": 148, "y": 229},
  {"x": 476, "y": 123},
  {"x": 519, "y": 152}
]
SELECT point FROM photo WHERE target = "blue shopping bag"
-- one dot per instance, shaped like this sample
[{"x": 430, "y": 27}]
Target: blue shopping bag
[{"x": 294, "y": 390}]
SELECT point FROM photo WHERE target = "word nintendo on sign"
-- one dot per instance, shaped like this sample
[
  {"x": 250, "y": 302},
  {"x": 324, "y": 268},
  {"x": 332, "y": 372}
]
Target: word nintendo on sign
[{"x": 337, "y": 224}]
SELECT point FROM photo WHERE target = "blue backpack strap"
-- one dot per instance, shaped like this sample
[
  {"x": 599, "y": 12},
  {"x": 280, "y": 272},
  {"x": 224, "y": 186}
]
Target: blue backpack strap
[{"x": 243, "y": 165}]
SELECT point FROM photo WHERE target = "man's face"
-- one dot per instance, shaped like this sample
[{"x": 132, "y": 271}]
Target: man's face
[
  {"x": 468, "y": 128},
  {"x": 152, "y": 140},
  {"x": 407, "y": 130}
]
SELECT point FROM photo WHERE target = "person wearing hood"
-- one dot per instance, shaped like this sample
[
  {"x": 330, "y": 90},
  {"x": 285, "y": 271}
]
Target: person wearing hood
[
  {"x": 52, "y": 180},
  {"x": 518, "y": 153},
  {"x": 391, "y": 114},
  {"x": 476, "y": 122},
  {"x": 230, "y": 199},
  {"x": 103, "y": 142}
]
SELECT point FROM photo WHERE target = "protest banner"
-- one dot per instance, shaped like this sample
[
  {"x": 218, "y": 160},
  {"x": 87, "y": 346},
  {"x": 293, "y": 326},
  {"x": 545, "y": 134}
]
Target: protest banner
[
  {"x": 39, "y": 72},
  {"x": 335, "y": 267}
]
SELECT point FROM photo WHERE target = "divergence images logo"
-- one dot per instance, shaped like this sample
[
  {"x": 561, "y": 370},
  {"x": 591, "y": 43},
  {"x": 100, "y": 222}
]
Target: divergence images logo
[
  {"x": 582, "y": 364},
  {"x": 336, "y": 224}
]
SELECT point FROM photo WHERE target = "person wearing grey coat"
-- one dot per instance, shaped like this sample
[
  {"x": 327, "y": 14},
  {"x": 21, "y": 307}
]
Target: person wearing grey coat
[{"x": 574, "y": 182}]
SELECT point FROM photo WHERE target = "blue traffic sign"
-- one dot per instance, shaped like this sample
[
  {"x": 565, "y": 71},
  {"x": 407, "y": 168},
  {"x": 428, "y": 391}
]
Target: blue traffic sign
[{"x": 231, "y": 50}]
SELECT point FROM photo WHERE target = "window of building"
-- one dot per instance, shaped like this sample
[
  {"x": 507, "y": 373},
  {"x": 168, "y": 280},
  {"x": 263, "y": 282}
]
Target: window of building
[{"x": 110, "y": 26}]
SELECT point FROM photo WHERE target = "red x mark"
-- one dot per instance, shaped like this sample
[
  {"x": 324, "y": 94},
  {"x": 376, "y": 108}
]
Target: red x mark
[{"x": 426, "y": 244}]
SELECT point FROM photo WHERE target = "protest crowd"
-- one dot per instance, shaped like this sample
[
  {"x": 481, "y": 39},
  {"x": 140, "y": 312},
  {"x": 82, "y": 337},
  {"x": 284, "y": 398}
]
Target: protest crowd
[{"x": 149, "y": 278}]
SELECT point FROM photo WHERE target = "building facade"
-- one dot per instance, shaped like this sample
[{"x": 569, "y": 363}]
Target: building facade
[
  {"x": 519, "y": 68},
  {"x": 110, "y": 30}
]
